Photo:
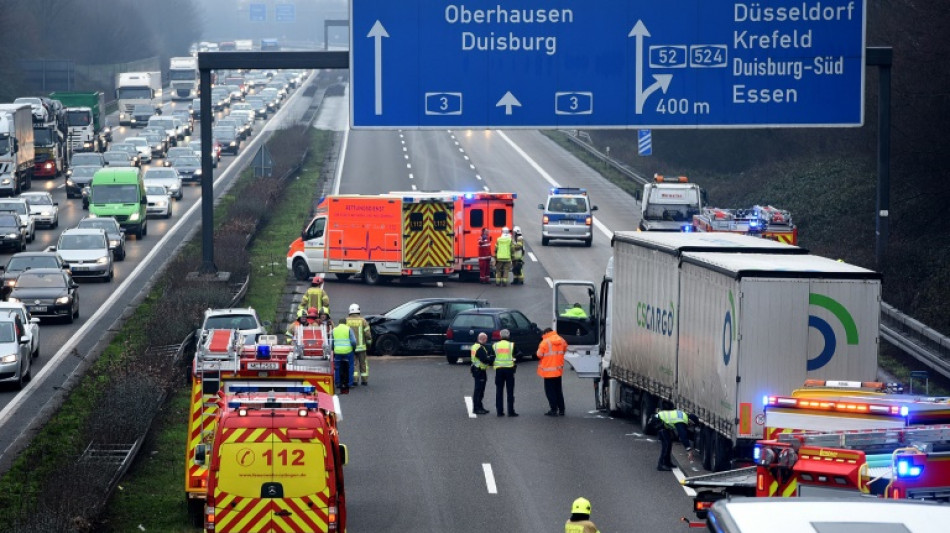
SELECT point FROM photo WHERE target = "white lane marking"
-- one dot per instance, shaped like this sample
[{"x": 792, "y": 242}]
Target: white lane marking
[
  {"x": 466, "y": 157},
  {"x": 471, "y": 166},
  {"x": 462, "y": 150},
  {"x": 550, "y": 283},
  {"x": 456, "y": 143},
  {"x": 485, "y": 187},
  {"x": 408, "y": 165},
  {"x": 470, "y": 407},
  {"x": 489, "y": 478},
  {"x": 600, "y": 225},
  {"x": 410, "y": 175},
  {"x": 532, "y": 257},
  {"x": 678, "y": 474},
  {"x": 478, "y": 176},
  {"x": 61, "y": 185},
  {"x": 413, "y": 187},
  {"x": 405, "y": 148},
  {"x": 400, "y": 135},
  {"x": 406, "y": 156}
]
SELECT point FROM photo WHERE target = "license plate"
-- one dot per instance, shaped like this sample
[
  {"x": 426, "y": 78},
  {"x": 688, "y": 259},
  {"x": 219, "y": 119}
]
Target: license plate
[
  {"x": 78, "y": 267},
  {"x": 272, "y": 365},
  {"x": 37, "y": 308},
  {"x": 466, "y": 347}
]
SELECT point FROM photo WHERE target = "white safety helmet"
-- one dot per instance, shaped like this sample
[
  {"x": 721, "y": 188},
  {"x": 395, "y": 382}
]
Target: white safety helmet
[
  {"x": 504, "y": 230},
  {"x": 517, "y": 230},
  {"x": 354, "y": 308}
]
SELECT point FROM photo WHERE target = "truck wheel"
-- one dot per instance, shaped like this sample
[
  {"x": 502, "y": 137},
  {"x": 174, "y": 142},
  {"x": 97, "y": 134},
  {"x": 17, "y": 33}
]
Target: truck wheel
[
  {"x": 370, "y": 275},
  {"x": 301, "y": 270},
  {"x": 387, "y": 345},
  {"x": 647, "y": 408}
]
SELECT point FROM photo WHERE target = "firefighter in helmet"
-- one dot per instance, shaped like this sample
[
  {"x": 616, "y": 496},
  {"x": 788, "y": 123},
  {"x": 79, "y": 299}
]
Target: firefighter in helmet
[
  {"x": 316, "y": 295},
  {"x": 579, "y": 522},
  {"x": 302, "y": 320},
  {"x": 364, "y": 337},
  {"x": 503, "y": 257},
  {"x": 517, "y": 257}
]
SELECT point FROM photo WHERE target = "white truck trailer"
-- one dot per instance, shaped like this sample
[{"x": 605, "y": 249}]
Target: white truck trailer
[
  {"x": 134, "y": 88},
  {"x": 183, "y": 78},
  {"x": 713, "y": 323},
  {"x": 17, "y": 153}
]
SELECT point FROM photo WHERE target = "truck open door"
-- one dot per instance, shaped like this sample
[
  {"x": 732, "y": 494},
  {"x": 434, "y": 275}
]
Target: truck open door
[{"x": 576, "y": 318}]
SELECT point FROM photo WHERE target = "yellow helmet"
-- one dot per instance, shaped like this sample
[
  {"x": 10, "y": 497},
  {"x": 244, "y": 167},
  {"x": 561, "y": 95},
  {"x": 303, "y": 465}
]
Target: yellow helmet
[{"x": 581, "y": 506}]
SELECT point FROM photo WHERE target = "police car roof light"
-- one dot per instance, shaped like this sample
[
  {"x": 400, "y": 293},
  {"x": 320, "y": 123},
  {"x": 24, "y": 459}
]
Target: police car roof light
[{"x": 568, "y": 190}]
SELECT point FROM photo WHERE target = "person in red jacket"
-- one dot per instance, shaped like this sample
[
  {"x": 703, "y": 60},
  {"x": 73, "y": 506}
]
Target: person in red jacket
[
  {"x": 551, "y": 367},
  {"x": 484, "y": 257}
]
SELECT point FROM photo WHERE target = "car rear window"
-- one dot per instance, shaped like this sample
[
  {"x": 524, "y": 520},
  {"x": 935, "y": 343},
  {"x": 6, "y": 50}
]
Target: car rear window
[
  {"x": 458, "y": 307},
  {"x": 474, "y": 321}
]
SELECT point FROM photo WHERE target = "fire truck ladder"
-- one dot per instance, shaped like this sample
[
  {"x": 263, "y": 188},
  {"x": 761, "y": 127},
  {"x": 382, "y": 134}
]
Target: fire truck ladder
[{"x": 221, "y": 351}]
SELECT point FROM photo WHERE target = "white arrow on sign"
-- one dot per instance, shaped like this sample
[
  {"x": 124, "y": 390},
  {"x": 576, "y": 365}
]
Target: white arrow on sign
[
  {"x": 662, "y": 80},
  {"x": 378, "y": 32},
  {"x": 508, "y": 100}
]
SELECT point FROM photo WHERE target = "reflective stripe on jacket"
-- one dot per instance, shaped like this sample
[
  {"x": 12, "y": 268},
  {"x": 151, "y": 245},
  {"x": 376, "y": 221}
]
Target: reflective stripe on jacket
[
  {"x": 504, "y": 354},
  {"x": 584, "y": 526},
  {"x": 360, "y": 328},
  {"x": 342, "y": 344},
  {"x": 474, "y": 353},
  {"x": 503, "y": 248},
  {"x": 315, "y": 297},
  {"x": 669, "y": 418},
  {"x": 517, "y": 249},
  {"x": 551, "y": 354}
]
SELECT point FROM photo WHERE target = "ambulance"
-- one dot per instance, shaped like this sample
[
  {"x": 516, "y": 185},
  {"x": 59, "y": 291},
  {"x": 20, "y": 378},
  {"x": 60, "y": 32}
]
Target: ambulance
[
  {"x": 275, "y": 463},
  {"x": 223, "y": 361},
  {"x": 378, "y": 237}
]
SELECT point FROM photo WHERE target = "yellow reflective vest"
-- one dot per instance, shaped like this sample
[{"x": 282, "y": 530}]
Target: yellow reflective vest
[{"x": 504, "y": 354}]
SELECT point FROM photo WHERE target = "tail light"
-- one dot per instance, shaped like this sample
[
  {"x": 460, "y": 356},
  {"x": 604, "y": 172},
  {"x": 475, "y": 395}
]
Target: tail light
[
  {"x": 449, "y": 335},
  {"x": 496, "y": 335}
]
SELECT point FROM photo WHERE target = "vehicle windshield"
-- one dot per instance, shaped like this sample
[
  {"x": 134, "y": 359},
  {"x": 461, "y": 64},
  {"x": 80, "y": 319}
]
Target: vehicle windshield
[
  {"x": 141, "y": 109},
  {"x": 675, "y": 205},
  {"x": 153, "y": 137},
  {"x": 164, "y": 123},
  {"x": 9, "y": 222},
  {"x": 44, "y": 137},
  {"x": 137, "y": 141},
  {"x": 231, "y": 322},
  {"x": 7, "y": 333},
  {"x": 160, "y": 174},
  {"x": 226, "y": 134},
  {"x": 567, "y": 205},
  {"x": 28, "y": 280},
  {"x": 155, "y": 190},
  {"x": 19, "y": 264},
  {"x": 115, "y": 194},
  {"x": 81, "y": 242},
  {"x": 133, "y": 93},
  {"x": 402, "y": 311},
  {"x": 78, "y": 118},
  {"x": 182, "y": 75},
  {"x": 16, "y": 207},
  {"x": 38, "y": 199},
  {"x": 116, "y": 157},
  {"x": 4, "y": 144},
  {"x": 105, "y": 224},
  {"x": 84, "y": 172},
  {"x": 87, "y": 159},
  {"x": 189, "y": 161}
]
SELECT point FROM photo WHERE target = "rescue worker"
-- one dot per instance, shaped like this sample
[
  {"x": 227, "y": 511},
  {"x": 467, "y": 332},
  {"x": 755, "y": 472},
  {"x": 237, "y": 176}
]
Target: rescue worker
[
  {"x": 302, "y": 320},
  {"x": 364, "y": 337},
  {"x": 343, "y": 343},
  {"x": 665, "y": 423},
  {"x": 504, "y": 366},
  {"x": 551, "y": 368},
  {"x": 482, "y": 358},
  {"x": 517, "y": 257},
  {"x": 503, "y": 258},
  {"x": 579, "y": 522},
  {"x": 575, "y": 311},
  {"x": 484, "y": 257},
  {"x": 315, "y": 296}
]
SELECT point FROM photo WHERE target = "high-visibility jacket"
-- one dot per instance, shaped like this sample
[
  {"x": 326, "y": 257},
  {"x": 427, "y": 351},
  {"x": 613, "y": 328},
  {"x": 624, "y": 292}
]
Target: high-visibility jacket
[
  {"x": 574, "y": 312},
  {"x": 343, "y": 340},
  {"x": 315, "y": 297},
  {"x": 517, "y": 248},
  {"x": 476, "y": 362},
  {"x": 503, "y": 248},
  {"x": 504, "y": 354},
  {"x": 360, "y": 327},
  {"x": 670, "y": 418},
  {"x": 551, "y": 355},
  {"x": 583, "y": 526}
]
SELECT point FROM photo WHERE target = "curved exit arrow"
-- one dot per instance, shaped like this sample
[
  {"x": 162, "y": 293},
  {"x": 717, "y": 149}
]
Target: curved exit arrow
[{"x": 377, "y": 33}]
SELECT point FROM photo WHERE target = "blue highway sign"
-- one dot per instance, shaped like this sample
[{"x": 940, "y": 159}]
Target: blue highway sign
[
  {"x": 285, "y": 13},
  {"x": 258, "y": 12},
  {"x": 606, "y": 64}
]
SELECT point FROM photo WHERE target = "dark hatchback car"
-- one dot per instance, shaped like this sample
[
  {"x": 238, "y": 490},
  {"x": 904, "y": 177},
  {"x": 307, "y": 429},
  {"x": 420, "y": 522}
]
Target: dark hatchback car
[
  {"x": 417, "y": 326},
  {"x": 11, "y": 236},
  {"x": 47, "y": 292},
  {"x": 114, "y": 233},
  {"x": 464, "y": 330},
  {"x": 24, "y": 261}
]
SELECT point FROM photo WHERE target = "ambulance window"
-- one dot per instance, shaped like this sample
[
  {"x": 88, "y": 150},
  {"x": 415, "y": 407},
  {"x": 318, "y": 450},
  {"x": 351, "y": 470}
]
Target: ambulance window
[
  {"x": 500, "y": 218},
  {"x": 415, "y": 221},
  {"x": 476, "y": 218},
  {"x": 315, "y": 231},
  {"x": 440, "y": 220}
]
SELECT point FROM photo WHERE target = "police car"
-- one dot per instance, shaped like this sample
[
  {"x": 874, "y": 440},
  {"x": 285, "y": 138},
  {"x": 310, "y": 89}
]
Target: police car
[{"x": 568, "y": 214}]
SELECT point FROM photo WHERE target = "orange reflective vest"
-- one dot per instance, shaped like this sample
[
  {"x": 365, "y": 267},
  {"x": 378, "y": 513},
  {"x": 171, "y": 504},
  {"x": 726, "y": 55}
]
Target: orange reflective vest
[{"x": 551, "y": 355}]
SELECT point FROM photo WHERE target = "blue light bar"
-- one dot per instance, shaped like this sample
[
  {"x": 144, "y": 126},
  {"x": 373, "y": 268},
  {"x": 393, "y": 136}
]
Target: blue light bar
[
  {"x": 765, "y": 400},
  {"x": 234, "y": 405},
  {"x": 904, "y": 410},
  {"x": 263, "y": 352},
  {"x": 686, "y": 228},
  {"x": 756, "y": 453},
  {"x": 906, "y": 469},
  {"x": 469, "y": 196},
  {"x": 238, "y": 389}
]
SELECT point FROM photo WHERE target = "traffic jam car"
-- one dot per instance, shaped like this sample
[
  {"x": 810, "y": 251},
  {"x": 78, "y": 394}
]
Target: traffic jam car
[
  {"x": 31, "y": 325},
  {"x": 47, "y": 292},
  {"x": 44, "y": 210},
  {"x": 159, "y": 201},
  {"x": 23, "y": 261},
  {"x": 417, "y": 326},
  {"x": 114, "y": 233},
  {"x": 16, "y": 362},
  {"x": 464, "y": 330},
  {"x": 86, "y": 251}
]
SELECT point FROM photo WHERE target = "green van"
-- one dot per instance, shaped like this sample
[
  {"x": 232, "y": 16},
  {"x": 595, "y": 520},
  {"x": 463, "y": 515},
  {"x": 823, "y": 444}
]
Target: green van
[{"x": 120, "y": 193}]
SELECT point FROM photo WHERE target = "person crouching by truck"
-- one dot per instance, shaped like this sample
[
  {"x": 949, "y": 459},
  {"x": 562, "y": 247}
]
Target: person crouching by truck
[{"x": 666, "y": 423}]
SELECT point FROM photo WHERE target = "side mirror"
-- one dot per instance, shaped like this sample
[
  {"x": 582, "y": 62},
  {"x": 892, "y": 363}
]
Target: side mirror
[
  {"x": 266, "y": 323},
  {"x": 593, "y": 208},
  {"x": 50, "y": 248},
  {"x": 34, "y": 320},
  {"x": 144, "y": 201},
  {"x": 55, "y": 203},
  {"x": 541, "y": 206},
  {"x": 24, "y": 340}
]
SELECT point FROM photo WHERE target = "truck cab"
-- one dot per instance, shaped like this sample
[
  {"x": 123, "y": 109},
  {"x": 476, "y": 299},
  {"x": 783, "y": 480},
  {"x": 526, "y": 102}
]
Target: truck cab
[
  {"x": 568, "y": 214},
  {"x": 668, "y": 204}
]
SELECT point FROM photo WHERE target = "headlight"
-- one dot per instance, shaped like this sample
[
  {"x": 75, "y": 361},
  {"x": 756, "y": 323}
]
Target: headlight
[
  {"x": 70, "y": 182},
  {"x": 233, "y": 143},
  {"x": 62, "y": 300},
  {"x": 5, "y": 181},
  {"x": 113, "y": 242},
  {"x": 134, "y": 217},
  {"x": 102, "y": 260},
  {"x": 133, "y": 120},
  {"x": 8, "y": 358},
  {"x": 13, "y": 235},
  {"x": 161, "y": 203},
  {"x": 107, "y": 130},
  {"x": 198, "y": 172},
  {"x": 46, "y": 213}
]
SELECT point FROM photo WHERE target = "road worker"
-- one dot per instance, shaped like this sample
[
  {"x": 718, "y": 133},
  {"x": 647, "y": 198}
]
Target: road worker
[
  {"x": 579, "y": 522},
  {"x": 364, "y": 337},
  {"x": 551, "y": 367},
  {"x": 517, "y": 257},
  {"x": 482, "y": 358},
  {"x": 575, "y": 311},
  {"x": 504, "y": 366},
  {"x": 484, "y": 257},
  {"x": 503, "y": 258},
  {"x": 315, "y": 296},
  {"x": 665, "y": 423},
  {"x": 344, "y": 341}
]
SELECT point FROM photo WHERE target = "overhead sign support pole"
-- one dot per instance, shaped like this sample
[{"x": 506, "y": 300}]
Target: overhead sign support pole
[
  {"x": 882, "y": 57},
  {"x": 208, "y": 61}
]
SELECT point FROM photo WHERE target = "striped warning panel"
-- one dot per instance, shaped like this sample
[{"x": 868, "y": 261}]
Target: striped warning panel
[
  {"x": 201, "y": 422},
  {"x": 427, "y": 235}
]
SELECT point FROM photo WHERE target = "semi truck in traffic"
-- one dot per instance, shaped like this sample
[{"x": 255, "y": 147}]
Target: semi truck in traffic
[
  {"x": 669, "y": 203},
  {"x": 135, "y": 88},
  {"x": 17, "y": 155},
  {"x": 713, "y": 324},
  {"x": 183, "y": 78},
  {"x": 379, "y": 237},
  {"x": 85, "y": 120},
  {"x": 50, "y": 148}
]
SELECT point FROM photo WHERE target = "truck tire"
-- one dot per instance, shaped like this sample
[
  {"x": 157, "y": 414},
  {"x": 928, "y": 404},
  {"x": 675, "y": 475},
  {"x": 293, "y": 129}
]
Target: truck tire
[
  {"x": 716, "y": 451},
  {"x": 608, "y": 395},
  {"x": 647, "y": 409},
  {"x": 370, "y": 275},
  {"x": 301, "y": 270},
  {"x": 387, "y": 345}
]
